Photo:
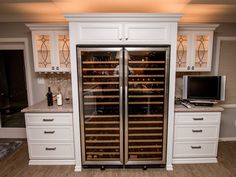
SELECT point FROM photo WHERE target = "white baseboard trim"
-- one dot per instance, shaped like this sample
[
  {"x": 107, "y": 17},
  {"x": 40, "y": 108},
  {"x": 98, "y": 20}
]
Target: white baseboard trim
[
  {"x": 227, "y": 139},
  {"x": 169, "y": 167},
  {"x": 52, "y": 162},
  {"x": 78, "y": 168},
  {"x": 194, "y": 160}
]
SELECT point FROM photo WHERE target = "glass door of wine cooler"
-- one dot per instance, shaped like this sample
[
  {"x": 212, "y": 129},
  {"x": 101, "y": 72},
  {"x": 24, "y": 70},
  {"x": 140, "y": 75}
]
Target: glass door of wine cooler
[
  {"x": 100, "y": 95},
  {"x": 146, "y": 78}
]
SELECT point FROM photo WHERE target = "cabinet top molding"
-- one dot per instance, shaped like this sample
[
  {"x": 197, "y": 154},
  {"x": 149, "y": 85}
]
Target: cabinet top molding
[
  {"x": 47, "y": 26},
  {"x": 198, "y": 27},
  {"x": 123, "y": 17}
]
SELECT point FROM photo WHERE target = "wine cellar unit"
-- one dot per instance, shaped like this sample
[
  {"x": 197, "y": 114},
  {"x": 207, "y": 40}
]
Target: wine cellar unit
[{"x": 123, "y": 96}]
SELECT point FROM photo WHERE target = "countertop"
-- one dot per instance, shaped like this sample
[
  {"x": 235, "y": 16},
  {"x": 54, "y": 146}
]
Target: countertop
[
  {"x": 42, "y": 107},
  {"x": 215, "y": 108}
]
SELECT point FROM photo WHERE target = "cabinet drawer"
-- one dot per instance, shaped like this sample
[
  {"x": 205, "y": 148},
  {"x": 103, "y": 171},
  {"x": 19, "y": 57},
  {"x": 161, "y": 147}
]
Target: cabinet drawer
[
  {"x": 197, "y": 118},
  {"x": 188, "y": 132},
  {"x": 48, "y": 119},
  {"x": 195, "y": 149},
  {"x": 51, "y": 151},
  {"x": 57, "y": 133}
]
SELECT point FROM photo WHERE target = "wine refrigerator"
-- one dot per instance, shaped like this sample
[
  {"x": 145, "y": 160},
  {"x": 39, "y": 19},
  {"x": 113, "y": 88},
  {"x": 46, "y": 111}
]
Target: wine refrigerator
[{"x": 123, "y": 103}]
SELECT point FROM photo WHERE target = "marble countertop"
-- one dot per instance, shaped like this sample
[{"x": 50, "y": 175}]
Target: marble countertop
[
  {"x": 42, "y": 107},
  {"x": 215, "y": 108}
]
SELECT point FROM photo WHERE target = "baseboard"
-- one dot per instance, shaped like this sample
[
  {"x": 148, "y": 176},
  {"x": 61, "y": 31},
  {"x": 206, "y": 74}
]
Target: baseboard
[
  {"x": 227, "y": 139},
  {"x": 169, "y": 167},
  {"x": 194, "y": 160},
  {"x": 52, "y": 162},
  {"x": 78, "y": 168}
]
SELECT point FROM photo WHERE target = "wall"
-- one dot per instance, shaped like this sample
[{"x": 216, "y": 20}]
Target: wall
[{"x": 19, "y": 30}]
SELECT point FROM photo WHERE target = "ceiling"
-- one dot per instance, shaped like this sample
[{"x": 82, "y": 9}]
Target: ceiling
[{"x": 194, "y": 11}]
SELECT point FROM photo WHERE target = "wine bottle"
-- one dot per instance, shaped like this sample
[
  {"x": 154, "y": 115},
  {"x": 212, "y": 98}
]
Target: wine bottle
[
  {"x": 49, "y": 97},
  {"x": 59, "y": 97}
]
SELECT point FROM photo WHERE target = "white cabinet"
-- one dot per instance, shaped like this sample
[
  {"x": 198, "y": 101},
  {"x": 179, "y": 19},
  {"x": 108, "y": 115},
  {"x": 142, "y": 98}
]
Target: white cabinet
[
  {"x": 196, "y": 136},
  {"x": 51, "y": 48},
  {"x": 123, "y": 33},
  {"x": 194, "y": 47},
  {"x": 50, "y": 138}
]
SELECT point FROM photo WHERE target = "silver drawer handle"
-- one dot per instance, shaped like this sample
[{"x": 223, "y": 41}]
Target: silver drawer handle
[
  {"x": 50, "y": 149},
  {"x": 48, "y": 120},
  {"x": 196, "y": 147},
  {"x": 49, "y": 132},
  {"x": 198, "y": 118},
  {"x": 196, "y": 131}
]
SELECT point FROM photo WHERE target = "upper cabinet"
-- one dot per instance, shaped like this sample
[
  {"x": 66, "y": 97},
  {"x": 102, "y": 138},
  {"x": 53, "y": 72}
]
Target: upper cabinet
[
  {"x": 194, "y": 47},
  {"x": 123, "y": 33},
  {"x": 51, "y": 48}
]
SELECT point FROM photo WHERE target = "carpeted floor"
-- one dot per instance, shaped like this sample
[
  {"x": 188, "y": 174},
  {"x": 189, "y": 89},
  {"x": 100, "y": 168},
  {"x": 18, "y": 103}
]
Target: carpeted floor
[{"x": 7, "y": 148}]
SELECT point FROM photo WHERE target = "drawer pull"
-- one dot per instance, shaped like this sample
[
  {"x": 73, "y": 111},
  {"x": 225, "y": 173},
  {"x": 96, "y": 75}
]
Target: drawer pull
[
  {"x": 196, "y": 118},
  {"x": 50, "y": 149},
  {"x": 48, "y": 120},
  {"x": 49, "y": 132},
  {"x": 196, "y": 147},
  {"x": 196, "y": 131}
]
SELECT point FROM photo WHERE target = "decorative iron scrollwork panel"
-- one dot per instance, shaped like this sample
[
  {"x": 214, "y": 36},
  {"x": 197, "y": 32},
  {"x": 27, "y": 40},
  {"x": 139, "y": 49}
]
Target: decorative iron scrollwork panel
[
  {"x": 182, "y": 51},
  {"x": 43, "y": 50},
  {"x": 64, "y": 50},
  {"x": 201, "y": 51}
]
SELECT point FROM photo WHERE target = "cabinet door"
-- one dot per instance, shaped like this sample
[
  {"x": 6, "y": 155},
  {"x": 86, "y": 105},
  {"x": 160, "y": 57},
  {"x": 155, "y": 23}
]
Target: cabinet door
[
  {"x": 100, "y": 33},
  {"x": 202, "y": 47},
  {"x": 147, "y": 33},
  {"x": 183, "y": 51},
  {"x": 43, "y": 51},
  {"x": 62, "y": 49}
]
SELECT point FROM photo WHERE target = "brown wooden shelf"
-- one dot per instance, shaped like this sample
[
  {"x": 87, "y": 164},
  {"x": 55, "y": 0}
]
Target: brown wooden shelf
[
  {"x": 145, "y": 115},
  {"x": 145, "y": 134},
  {"x": 145, "y": 128},
  {"x": 100, "y": 83},
  {"x": 102, "y": 135},
  {"x": 102, "y": 141},
  {"x": 146, "y": 62},
  {"x": 143, "y": 152},
  {"x": 141, "y": 75},
  {"x": 100, "y": 76},
  {"x": 101, "y": 116},
  {"x": 101, "y": 90},
  {"x": 146, "y": 141},
  {"x": 100, "y": 62},
  {"x": 148, "y": 102},
  {"x": 149, "y": 69},
  {"x": 101, "y": 103},
  {"x": 103, "y": 153},
  {"x": 145, "y": 122},
  {"x": 102, "y": 147},
  {"x": 146, "y": 96},
  {"x": 103, "y": 128},
  {"x": 102, "y": 122},
  {"x": 145, "y": 159},
  {"x": 103, "y": 159},
  {"x": 143, "y": 82},
  {"x": 98, "y": 69},
  {"x": 101, "y": 96},
  {"x": 145, "y": 147},
  {"x": 146, "y": 89}
]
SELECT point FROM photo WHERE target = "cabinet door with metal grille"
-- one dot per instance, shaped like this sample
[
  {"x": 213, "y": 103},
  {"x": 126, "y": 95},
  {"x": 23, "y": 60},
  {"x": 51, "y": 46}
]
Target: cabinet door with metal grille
[
  {"x": 146, "y": 87},
  {"x": 100, "y": 92}
]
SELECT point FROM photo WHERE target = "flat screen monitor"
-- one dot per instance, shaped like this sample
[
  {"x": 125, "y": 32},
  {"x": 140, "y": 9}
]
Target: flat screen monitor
[{"x": 204, "y": 88}]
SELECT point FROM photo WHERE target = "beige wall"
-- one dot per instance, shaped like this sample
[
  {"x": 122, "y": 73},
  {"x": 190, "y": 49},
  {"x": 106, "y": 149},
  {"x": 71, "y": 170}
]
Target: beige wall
[{"x": 19, "y": 30}]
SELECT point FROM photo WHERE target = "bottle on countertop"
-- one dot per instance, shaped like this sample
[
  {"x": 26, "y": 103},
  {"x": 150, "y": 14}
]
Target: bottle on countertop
[
  {"x": 59, "y": 97},
  {"x": 49, "y": 97}
]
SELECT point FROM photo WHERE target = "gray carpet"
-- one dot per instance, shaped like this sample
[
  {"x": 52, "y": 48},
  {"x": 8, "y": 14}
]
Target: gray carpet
[{"x": 7, "y": 148}]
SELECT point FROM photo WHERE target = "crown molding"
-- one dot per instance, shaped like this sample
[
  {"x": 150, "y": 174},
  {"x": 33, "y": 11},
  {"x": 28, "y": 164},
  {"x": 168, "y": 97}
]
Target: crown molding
[
  {"x": 47, "y": 26},
  {"x": 197, "y": 26}
]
